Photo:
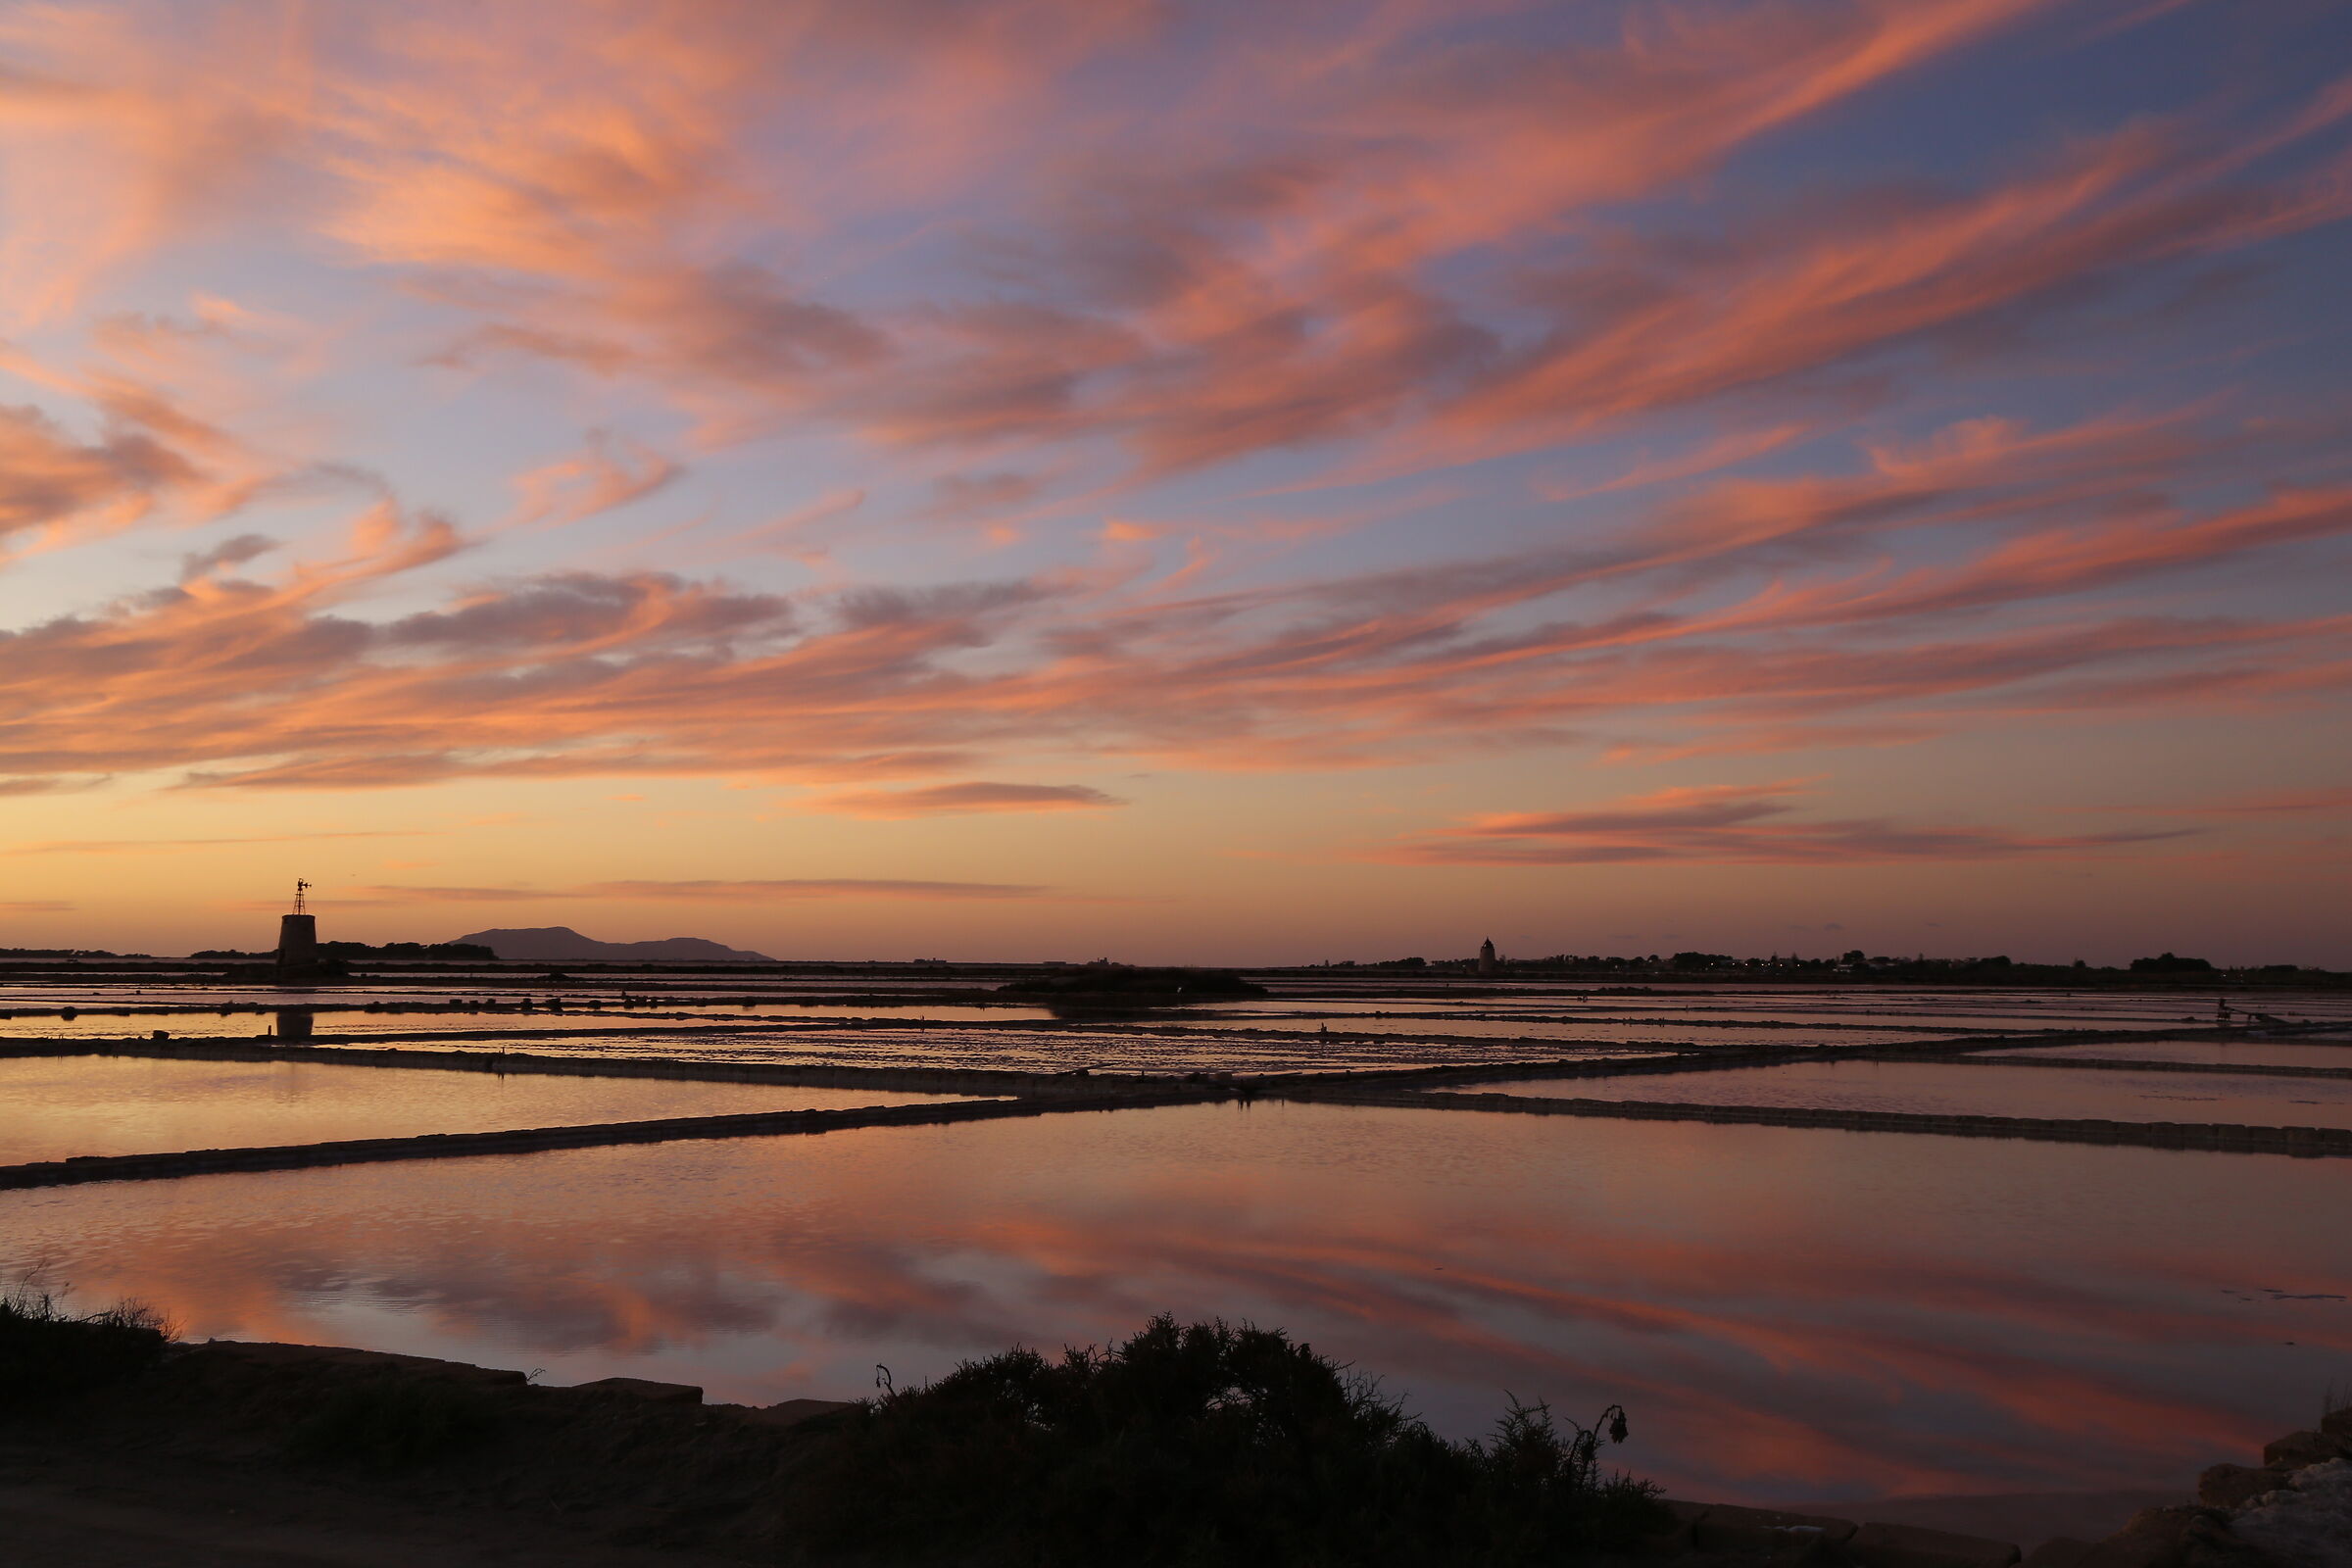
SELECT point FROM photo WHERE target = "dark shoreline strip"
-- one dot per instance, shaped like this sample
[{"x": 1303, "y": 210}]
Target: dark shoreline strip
[
  {"x": 1049, "y": 1029},
  {"x": 538, "y": 1140},
  {"x": 692, "y": 1017},
  {"x": 2301, "y": 1142},
  {"x": 2251, "y": 1069}
]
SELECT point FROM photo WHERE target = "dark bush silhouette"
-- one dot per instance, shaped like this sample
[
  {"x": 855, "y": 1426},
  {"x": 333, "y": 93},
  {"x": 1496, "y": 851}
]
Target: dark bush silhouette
[
  {"x": 47, "y": 1354},
  {"x": 1195, "y": 1445}
]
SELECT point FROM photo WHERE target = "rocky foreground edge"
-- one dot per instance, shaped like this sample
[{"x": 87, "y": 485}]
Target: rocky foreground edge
[{"x": 2293, "y": 1510}]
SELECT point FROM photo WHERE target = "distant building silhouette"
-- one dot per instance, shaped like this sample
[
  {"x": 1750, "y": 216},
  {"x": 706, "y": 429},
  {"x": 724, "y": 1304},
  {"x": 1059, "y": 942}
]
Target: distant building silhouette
[{"x": 1487, "y": 960}]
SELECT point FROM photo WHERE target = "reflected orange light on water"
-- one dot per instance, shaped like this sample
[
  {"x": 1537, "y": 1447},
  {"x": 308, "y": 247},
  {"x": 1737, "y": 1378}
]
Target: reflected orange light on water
[{"x": 1786, "y": 1312}]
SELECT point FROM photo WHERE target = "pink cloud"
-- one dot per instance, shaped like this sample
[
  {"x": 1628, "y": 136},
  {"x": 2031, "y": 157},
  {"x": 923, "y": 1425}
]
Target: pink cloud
[
  {"x": 764, "y": 889},
  {"x": 757, "y": 891},
  {"x": 2277, "y": 802},
  {"x": 645, "y": 672},
  {"x": 1733, "y": 825},
  {"x": 53, "y": 484},
  {"x": 57, "y": 785},
  {"x": 946, "y": 799},
  {"x": 1240, "y": 260},
  {"x": 166, "y": 846},
  {"x": 975, "y": 235},
  {"x": 613, "y": 472}
]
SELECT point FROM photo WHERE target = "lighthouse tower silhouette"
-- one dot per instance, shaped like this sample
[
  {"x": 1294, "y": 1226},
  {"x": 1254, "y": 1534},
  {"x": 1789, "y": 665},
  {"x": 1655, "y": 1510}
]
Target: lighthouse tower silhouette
[{"x": 298, "y": 934}]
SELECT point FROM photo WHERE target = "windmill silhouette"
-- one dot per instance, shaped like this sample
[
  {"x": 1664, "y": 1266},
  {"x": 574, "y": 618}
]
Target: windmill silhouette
[{"x": 298, "y": 936}]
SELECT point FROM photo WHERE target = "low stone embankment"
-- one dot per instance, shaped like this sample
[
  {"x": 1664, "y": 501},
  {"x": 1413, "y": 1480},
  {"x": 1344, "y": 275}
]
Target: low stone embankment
[
  {"x": 2246, "y": 1069},
  {"x": 2302, "y": 1142}
]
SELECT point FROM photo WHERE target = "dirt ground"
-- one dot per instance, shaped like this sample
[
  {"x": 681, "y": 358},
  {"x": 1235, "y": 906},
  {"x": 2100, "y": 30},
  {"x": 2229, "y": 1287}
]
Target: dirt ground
[
  {"x": 189, "y": 1467},
  {"x": 82, "y": 1510}
]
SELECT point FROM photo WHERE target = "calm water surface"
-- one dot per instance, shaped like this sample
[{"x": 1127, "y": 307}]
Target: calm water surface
[
  {"x": 52, "y": 1107},
  {"x": 778, "y": 1022},
  {"x": 1788, "y": 1313},
  {"x": 1063, "y": 1050}
]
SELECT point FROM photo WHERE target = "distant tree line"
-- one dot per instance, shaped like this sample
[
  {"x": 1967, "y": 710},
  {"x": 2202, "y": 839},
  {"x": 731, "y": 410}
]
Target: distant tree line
[{"x": 1996, "y": 968}]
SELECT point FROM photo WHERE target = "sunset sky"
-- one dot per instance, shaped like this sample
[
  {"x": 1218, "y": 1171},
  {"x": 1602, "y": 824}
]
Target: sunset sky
[{"x": 1181, "y": 481}]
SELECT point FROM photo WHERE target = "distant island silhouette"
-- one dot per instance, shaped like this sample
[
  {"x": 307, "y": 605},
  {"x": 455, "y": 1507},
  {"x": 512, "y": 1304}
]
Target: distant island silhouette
[{"x": 542, "y": 943}]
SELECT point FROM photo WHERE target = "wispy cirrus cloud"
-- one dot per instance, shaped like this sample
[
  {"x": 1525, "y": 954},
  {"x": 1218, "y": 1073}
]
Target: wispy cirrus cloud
[
  {"x": 1094, "y": 293},
  {"x": 687, "y": 891},
  {"x": 946, "y": 799},
  {"x": 1748, "y": 613},
  {"x": 757, "y": 890},
  {"x": 612, "y": 471},
  {"x": 1731, "y": 825},
  {"x": 1273, "y": 244},
  {"x": 174, "y": 846},
  {"x": 2276, "y": 802},
  {"x": 1259, "y": 252},
  {"x": 61, "y": 784},
  {"x": 51, "y": 483}
]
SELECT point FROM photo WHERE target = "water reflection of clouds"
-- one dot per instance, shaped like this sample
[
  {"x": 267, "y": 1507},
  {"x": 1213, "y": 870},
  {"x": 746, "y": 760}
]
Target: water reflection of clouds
[{"x": 1784, "y": 1310}]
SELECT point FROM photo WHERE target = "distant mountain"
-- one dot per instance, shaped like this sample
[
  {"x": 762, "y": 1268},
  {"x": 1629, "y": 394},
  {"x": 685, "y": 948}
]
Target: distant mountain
[{"x": 548, "y": 944}]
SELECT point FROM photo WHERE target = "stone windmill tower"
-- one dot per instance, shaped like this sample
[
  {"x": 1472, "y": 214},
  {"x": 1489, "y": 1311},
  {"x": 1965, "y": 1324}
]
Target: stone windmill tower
[{"x": 298, "y": 935}]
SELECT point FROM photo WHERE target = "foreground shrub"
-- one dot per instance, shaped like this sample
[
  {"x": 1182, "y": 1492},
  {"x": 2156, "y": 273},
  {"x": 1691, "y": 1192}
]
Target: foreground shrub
[
  {"x": 47, "y": 1354},
  {"x": 395, "y": 1423},
  {"x": 1201, "y": 1443}
]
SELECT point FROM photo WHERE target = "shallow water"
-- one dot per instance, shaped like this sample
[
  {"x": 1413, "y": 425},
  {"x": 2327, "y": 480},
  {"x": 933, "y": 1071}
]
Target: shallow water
[
  {"x": 1937, "y": 1087},
  {"x": 1543, "y": 1028},
  {"x": 124, "y": 1018},
  {"x": 1787, "y": 1313},
  {"x": 1055, "y": 1051},
  {"x": 1473, "y": 1021},
  {"x": 1975, "y": 1009},
  {"x": 52, "y": 1107}
]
